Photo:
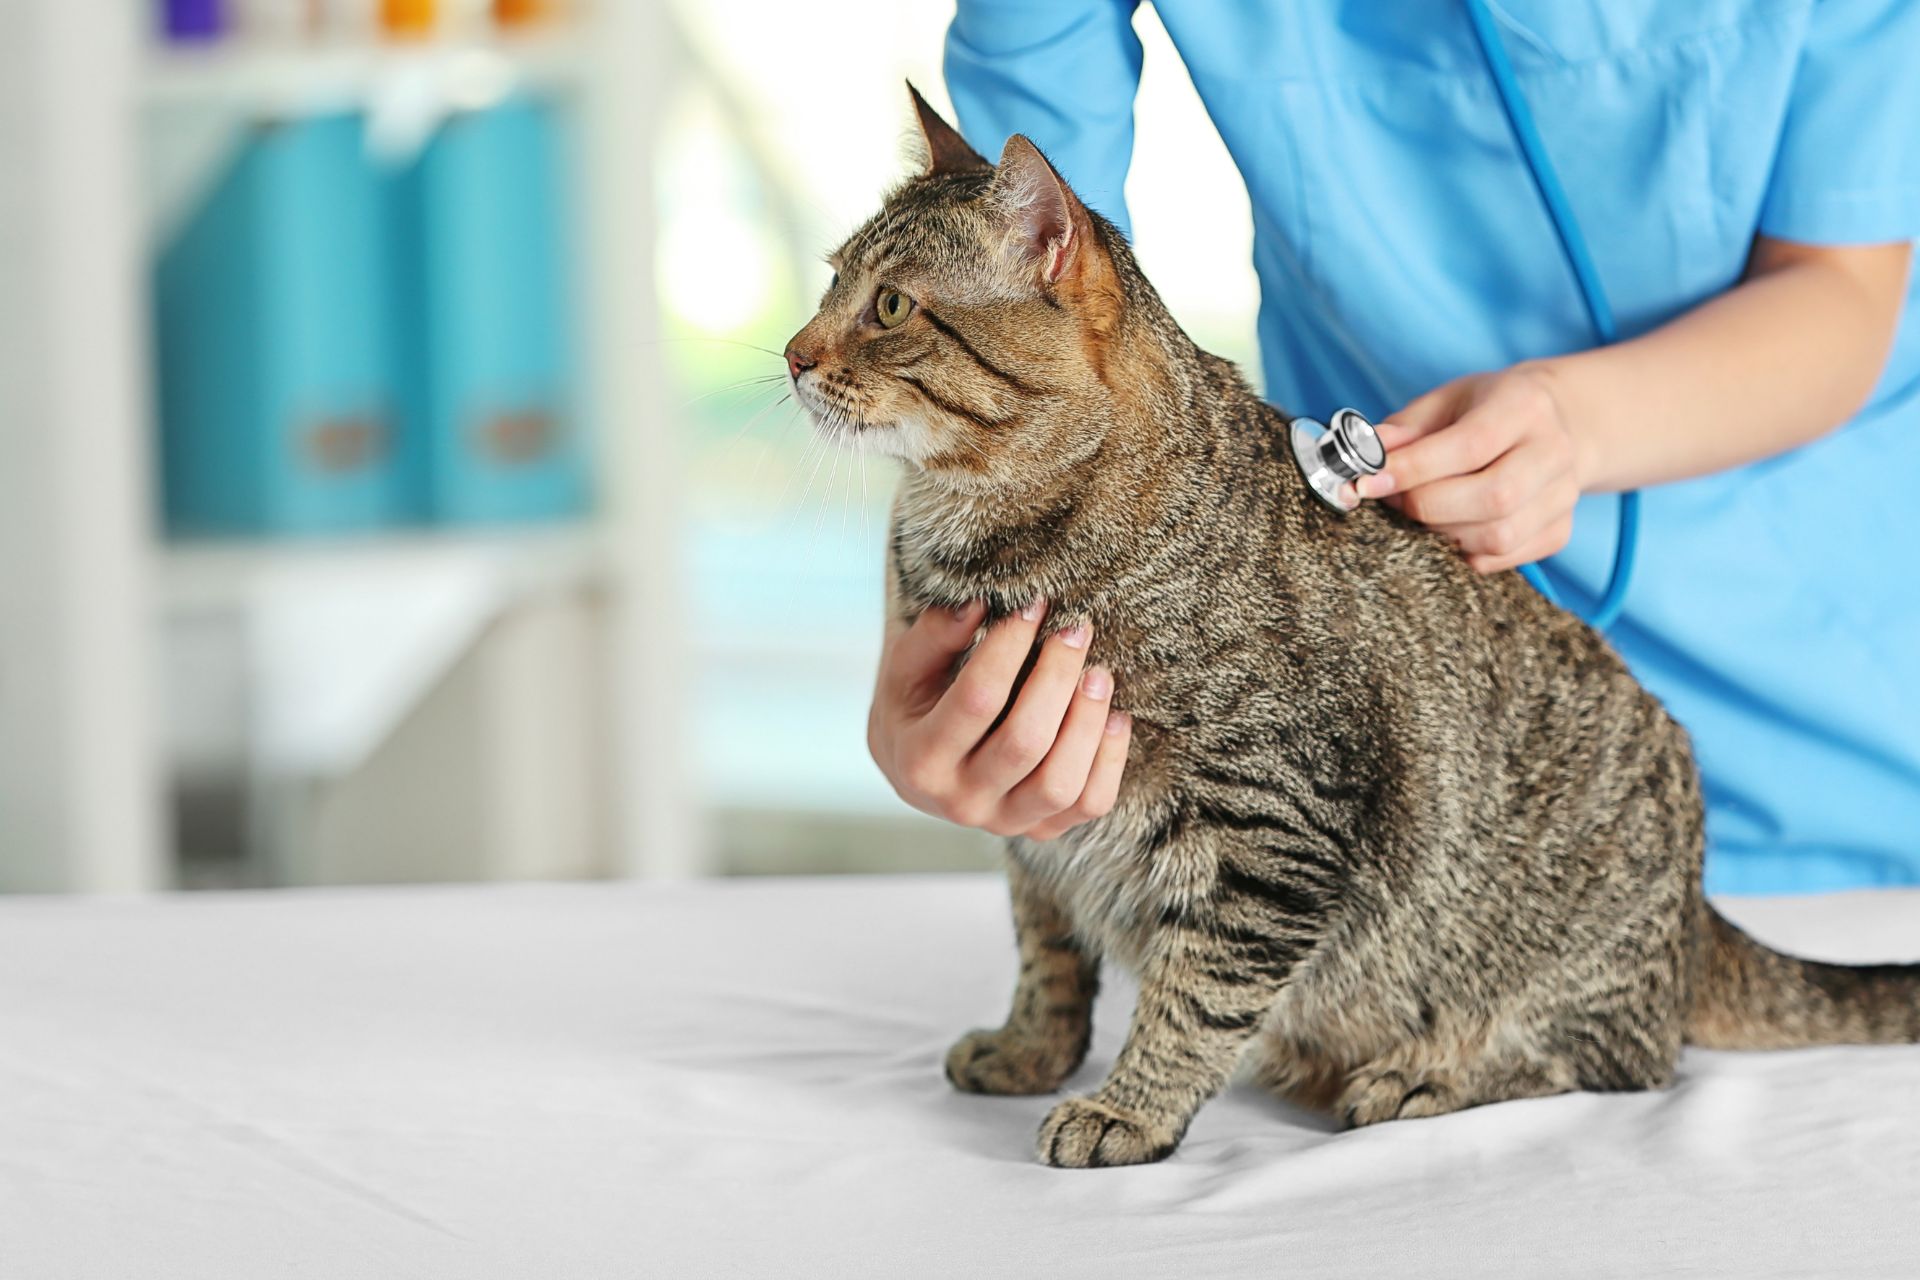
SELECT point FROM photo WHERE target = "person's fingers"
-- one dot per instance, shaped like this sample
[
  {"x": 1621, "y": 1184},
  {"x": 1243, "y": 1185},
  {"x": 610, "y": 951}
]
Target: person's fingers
[
  {"x": 1056, "y": 784},
  {"x": 923, "y": 653},
  {"x": 1549, "y": 540},
  {"x": 979, "y": 693},
  {"x": 1505, "y": 487},
  {"x": 1511, "y": 535},
  {"x": 1464, "y": 447},
  {"x": 1033, "y": 725},
  {"x": 1103, "y": 780},
  {"x": 1422, "y": 415}
]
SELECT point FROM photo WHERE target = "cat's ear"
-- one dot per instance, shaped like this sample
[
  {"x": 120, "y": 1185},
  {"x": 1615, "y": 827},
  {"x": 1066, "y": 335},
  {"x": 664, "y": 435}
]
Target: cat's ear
[
  {"x": 947, "y": 151},
  {"x": 1050, "y": 225}
]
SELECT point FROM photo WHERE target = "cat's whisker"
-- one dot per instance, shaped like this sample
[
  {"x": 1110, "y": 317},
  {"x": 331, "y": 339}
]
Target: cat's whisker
[
  {"x": 826, "y": 501},
  {"x": 864, "y": 504},
  {"x": 758, "y": 414},
  {"x": 846, "y": 496},
  {"x": 742, "y": 404},
  {"x": 754, "y": 386},
  {"x": 807, "y": 451},
  {"x": 766, "y": 447},
  {"x": 758, "y": 380},
  {"x": 822, "y": 447},
  {"x": 751, "y": 380},
  {"x": 774, "y": 513},
  {"x": 731, "y": 342}
]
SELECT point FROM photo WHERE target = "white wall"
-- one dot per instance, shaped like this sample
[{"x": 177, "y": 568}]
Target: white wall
[{"x": 79, "y": 792}]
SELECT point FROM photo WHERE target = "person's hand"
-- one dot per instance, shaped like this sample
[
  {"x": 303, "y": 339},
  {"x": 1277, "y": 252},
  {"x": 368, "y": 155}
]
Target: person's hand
[
  {"x": 1053, "y": 763},
  {"x": 1489, "y": 460}
]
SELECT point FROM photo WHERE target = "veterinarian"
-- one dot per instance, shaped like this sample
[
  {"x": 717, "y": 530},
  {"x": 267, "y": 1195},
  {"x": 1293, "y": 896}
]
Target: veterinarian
[{"x": 1747, "y": 174}]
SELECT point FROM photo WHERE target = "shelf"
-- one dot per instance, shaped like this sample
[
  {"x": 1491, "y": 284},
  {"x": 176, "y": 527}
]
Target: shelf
[
  {"x": 298, "y": 658},
  {"x": 220, "y": 574},
  {"x": 288, "y": 79},
  {"x": 290, "y": 659}
]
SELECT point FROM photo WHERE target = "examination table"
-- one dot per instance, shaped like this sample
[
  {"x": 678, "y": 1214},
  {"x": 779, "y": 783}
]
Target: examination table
[{"x": 743, "y": 1079}]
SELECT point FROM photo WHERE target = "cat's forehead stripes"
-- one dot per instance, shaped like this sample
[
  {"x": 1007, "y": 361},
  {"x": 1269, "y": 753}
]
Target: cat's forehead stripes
[{"x": 927, "y": 222}]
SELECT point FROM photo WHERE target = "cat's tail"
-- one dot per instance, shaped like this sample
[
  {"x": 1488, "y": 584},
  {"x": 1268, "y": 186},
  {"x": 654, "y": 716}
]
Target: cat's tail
[{"x": 1750, "y": 997}]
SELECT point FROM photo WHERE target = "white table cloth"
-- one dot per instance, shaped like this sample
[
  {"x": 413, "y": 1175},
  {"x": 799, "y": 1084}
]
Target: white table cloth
[{"x": 742, "y": 1080}]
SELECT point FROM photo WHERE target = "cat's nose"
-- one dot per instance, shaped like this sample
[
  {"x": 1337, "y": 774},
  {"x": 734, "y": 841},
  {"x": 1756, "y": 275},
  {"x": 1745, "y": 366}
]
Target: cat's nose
[{"x": 798, "y": 361}]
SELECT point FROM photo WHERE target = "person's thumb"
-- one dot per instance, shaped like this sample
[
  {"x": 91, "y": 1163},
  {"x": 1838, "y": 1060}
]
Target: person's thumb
[{"x": 922, "y": 656}]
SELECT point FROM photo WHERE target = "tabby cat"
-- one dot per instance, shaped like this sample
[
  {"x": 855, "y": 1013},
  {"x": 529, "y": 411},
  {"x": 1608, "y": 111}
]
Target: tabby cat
[{"x": 1405, "y": 837}]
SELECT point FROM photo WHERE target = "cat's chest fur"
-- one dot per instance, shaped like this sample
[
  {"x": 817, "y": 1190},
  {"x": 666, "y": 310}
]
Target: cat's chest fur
[
  {"x": 1115, "y": 885},
  {"x": 1118, "y": 876}
]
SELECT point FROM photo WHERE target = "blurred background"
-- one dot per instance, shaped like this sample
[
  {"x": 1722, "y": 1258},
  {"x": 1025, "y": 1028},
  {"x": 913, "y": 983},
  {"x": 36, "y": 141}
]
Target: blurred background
[{"x": 397, "y": 482}]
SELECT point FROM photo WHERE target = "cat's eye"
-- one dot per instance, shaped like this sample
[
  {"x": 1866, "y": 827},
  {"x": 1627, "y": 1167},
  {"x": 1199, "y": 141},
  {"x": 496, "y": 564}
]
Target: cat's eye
[{"x": 892, "y": 307}]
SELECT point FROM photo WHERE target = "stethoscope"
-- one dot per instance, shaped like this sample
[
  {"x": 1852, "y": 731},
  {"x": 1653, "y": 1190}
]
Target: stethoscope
[{"x": 1333, "y": 455}]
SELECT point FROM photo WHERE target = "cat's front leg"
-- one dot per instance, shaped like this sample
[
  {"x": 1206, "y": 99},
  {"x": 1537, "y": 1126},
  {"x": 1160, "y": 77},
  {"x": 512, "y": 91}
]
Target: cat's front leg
[
  {"x": 1211, "y": 979},
  {"x": 1046, "y": 1032}
]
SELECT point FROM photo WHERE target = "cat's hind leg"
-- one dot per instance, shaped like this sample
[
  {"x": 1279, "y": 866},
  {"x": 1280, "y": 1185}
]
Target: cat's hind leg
[
  {"x": 1301, "y": 1073},
  {"x": 1620, "y": 1045},
  {"x": 1607, "y": 1015},
  {"x": 1046, "y": 1033},
  {"x": 1431, "y": 1078}
]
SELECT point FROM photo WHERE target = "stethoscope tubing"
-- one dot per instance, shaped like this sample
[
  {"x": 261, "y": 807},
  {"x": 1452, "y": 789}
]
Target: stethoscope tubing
[{"x": 1553, "y": 196}]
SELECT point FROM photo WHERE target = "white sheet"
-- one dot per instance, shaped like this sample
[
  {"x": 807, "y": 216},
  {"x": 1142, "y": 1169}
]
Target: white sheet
[{"x": 743, "y": 1080}]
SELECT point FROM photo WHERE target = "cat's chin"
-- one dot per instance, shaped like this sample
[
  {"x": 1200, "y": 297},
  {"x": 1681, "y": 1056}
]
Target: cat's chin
[
  {"x": 904, "y": 440},
  {"x": 889, "y": 440},
  {"x": 848, "y": 434}
]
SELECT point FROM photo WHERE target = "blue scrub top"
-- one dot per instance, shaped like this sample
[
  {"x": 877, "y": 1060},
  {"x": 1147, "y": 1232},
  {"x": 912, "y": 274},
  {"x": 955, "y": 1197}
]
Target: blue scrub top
[{"x": 1399, "y": 243}]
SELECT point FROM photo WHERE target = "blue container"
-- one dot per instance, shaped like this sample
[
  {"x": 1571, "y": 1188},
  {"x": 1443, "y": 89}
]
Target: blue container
[
  {"x": 275, "y": 388},
  {"x": 487, "y": 371}
]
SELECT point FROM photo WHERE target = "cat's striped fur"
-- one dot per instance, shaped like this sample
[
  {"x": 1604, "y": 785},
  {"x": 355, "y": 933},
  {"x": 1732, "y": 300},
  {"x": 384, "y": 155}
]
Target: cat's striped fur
[{"x": 1404, "y": 835}]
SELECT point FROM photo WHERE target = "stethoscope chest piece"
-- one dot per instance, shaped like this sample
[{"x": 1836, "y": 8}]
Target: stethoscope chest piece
[{"x": 1332, "y": 456}]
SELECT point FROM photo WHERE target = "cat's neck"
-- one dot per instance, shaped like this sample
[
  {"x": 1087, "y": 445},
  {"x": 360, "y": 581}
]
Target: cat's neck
[{"x": 1183, "y": 435}]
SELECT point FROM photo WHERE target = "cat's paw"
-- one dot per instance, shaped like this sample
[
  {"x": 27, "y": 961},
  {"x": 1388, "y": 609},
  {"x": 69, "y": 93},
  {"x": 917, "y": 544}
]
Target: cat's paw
[
  {"x": 1009, "y": 1063},
  {"x": 1085, "y": 1133},
  {"x": 1374, "y": 1095}
]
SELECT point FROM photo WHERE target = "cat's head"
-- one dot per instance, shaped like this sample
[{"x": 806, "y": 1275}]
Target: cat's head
[{"x": 972, "y": 323}]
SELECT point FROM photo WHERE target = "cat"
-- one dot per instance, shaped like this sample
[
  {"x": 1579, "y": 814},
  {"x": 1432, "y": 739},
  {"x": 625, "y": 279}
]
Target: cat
[{"x": 1402, "y": 836}]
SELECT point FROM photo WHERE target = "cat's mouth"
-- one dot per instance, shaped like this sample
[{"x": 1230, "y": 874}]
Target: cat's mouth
[
  {"x": 835, "y": 414},
  {"x": 842, "y": 416}
]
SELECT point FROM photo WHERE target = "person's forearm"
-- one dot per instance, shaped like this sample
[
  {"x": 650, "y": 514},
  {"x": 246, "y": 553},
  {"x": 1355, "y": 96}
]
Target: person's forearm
[
  {"x": 1781, "y": 359},
  {"x": 1064, "y": 73}
]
